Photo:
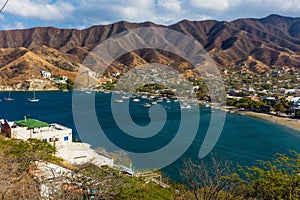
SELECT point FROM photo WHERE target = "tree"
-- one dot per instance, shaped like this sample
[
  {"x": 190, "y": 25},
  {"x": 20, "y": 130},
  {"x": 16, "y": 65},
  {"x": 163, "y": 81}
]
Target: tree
[
  {"x": 207, "y": 180},
  {"x": 278, "y": 107},
  {"x": 276, "y": 179},
  {"x": 70, "y": 84},
  {"x": 16, "y": 161}
]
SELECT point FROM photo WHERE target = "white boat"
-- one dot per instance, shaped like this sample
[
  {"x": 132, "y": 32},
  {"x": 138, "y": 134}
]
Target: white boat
[
  {"x": 207, "y": 105},
  {"x": 186, "y": 106},
  {"x": 147, "y": 105},
  {"x": 119, "y": 101},
  {"x": 136, "y": 100},
  {"x": 160, "y": 100},
  {"x": 33, "y": 99},
  {"x": 8, "y": 98},
  {"x": 167, "y": 107},
  {"x": 154, "y": 102},
  {"x": 125, "y": 97}
]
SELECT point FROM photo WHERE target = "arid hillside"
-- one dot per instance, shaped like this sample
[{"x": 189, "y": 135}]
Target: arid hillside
[{"x": 258, "y": 43}]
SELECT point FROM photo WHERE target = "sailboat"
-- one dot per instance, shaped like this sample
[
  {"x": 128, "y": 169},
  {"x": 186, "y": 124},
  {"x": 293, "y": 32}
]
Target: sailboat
[
  {"x": 8, "y": 98},
  {"x": 33, "y": 99}
]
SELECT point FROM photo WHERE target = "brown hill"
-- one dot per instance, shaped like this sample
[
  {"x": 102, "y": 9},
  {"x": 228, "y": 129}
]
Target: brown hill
[
  {"x": 21, "y": 64},
  {"x": 274, "y": 40}
]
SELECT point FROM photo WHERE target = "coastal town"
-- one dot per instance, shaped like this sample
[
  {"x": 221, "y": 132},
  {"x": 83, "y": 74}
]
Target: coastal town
[
  {"x": 151, "y": 100},
  {"x": 273, "y": 94},
  {"x": 275, "y": 91}
]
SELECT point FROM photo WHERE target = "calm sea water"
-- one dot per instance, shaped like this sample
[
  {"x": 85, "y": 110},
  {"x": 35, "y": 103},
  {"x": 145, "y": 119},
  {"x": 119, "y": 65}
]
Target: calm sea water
[{"x": 243, "y": 140}]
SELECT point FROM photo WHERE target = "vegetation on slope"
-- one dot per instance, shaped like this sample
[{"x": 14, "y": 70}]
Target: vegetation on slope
[{"x": 277, "y": 179}]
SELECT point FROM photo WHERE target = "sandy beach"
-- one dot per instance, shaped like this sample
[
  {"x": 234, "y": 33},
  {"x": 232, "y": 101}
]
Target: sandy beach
[{"x": 284, "y": 121}]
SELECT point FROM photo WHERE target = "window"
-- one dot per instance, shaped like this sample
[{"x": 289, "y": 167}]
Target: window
[{"x": 66, "y": 138}]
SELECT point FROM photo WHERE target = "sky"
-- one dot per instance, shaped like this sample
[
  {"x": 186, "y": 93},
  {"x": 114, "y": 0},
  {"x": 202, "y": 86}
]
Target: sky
[{"x": 80, "y": 14}]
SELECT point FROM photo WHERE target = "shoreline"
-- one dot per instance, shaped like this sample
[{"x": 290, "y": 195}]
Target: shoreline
[
  {"x": 50, "y": 90},
  {"x": 282, "y": 121},
  {"x": 288, "y": 122}
]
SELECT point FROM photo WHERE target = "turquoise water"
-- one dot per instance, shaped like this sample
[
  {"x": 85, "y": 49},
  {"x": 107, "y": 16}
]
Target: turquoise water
[{"x": 243, "y": 140}]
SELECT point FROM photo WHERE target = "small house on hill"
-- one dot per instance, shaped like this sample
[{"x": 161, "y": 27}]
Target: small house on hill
[
  {"x": 57, "y": 135},
  {"x": 46, "y": 74},
  {"x": 32, "y": 128}
]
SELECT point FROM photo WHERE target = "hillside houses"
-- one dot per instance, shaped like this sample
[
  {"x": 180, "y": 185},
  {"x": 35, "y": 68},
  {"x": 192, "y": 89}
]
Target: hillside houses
[{"x": 48, "y": 75}]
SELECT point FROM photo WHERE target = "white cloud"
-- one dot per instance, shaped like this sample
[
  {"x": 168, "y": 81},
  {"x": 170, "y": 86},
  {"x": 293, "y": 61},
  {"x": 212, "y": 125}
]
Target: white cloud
[
  {"x": 44, "y": 10},
  {"x": 170, "y": 5},
  {"x": 97, "y": 11},
  {"x": 279, "y": 5},
  {"x": 85, "y": 13},
  {"x": 13, "y": 26},
  {"x": 218, "y": 5},
  {"x": 261, "y": 8}
]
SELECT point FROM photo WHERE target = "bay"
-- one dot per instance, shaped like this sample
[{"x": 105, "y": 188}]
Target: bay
[{"x": 244, "y": 139}]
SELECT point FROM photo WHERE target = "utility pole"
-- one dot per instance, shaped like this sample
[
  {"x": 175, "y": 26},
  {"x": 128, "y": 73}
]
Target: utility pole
[{"x": 4, "y": 6}]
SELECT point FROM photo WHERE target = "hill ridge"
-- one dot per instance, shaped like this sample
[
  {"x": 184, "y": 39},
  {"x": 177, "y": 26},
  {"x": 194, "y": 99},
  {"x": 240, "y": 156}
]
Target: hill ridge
[{"x": 270, "y": 41}]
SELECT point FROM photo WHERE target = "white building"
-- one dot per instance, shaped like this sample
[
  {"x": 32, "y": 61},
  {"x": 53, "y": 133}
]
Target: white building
[
  {"x": 290, "y": 91},
  {"x": 65, "y": 78},
  {"x": 46, "y": 74},
  {"x": 57, "y": 135},
  {"x": 30, "y": 128}
]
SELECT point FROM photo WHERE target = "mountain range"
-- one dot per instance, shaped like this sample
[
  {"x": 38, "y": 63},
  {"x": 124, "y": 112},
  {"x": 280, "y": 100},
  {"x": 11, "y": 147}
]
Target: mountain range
[{"x": 261, "y": 44}]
